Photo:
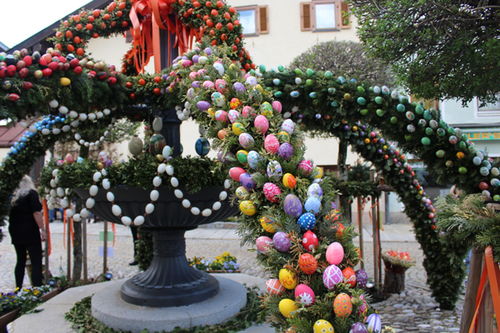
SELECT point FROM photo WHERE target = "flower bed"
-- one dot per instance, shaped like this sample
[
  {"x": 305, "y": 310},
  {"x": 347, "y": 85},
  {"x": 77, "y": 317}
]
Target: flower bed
[{"x": 224, "y": 263}]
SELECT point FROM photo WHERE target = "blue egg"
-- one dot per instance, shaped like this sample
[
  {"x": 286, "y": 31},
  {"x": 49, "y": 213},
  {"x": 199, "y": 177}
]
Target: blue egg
[
  {"x": 484, "y": 171},
  {"x": 306, "y": 221},
  {"x": 477, "y": 160},
  {"x": 313, "y": 205},
  {"x": 253, "y": 159},
  {"x": 202, "y": 146},
  {"x": 315, "y": 190},
  {"x": 295, "y": 94}
]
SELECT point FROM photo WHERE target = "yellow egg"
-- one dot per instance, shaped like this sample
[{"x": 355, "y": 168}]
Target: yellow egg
[
  {"x": 247, "y": 207},
  {"x": 259, "y": 88},
  {"x": 238, "y": 128},
  {"x": 211, "y": 112},
  {"x": 64, "y": 81},
  {"x": 287, "y": 307},
  {"x": 241, "y": 193},
  {"x": 268, "y": 224},
  {"x": 322, "y": 326},
  {"x": 319, "y": 172},
  {"x": 287, "y": 278},
  {"x": 289, "y": 181}
]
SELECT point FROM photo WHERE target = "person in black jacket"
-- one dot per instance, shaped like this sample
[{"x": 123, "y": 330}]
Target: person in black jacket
[{"x": 27, "y": 231}]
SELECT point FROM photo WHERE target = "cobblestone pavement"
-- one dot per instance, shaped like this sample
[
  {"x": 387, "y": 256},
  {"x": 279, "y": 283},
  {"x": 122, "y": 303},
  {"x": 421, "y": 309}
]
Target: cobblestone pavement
[{"x": 412, "y": 311}]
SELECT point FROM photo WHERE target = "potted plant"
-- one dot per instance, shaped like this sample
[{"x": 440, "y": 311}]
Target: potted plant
[{"x": 396, "y": 263}]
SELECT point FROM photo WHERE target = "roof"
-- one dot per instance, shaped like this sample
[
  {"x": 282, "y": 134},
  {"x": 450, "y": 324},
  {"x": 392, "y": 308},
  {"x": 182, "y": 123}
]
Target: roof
[
  {"x": 3, "y": 47},
  {"x": 10, "y": 135},
  {"x": 38, "y": 42}
]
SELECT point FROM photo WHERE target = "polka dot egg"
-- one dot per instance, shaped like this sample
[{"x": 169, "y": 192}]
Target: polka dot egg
[
  {"x": 342, "y": 305},
  {"x": 322, "y": 326},
  {"x": 306, "y": 221}
]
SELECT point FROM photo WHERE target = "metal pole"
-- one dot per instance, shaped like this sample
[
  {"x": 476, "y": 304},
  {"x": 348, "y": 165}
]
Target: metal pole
[
  {"x": 84, "y": 249},
  {"x": 105, "y": 249},
  {"x": 68, "y": 248},
  {"x": 379, "y": 253},
  {"x": 46, "y": 253},
  {"x": 360, "y": 228}
]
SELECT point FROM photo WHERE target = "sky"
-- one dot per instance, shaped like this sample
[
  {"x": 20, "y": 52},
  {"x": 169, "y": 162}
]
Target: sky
[{"x": 20, "y": 20}]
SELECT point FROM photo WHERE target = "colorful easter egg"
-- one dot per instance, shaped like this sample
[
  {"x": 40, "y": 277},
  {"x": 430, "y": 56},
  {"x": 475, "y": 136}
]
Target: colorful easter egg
[
  {"x": 281, "y": 241},
  {"x": 304, "y": 294},
  {"x": 274, "y": 287},
  {"x": 247, "y": 207},
  {"x": 314, "y": 190},
  {"x": 342, "y": 305},
  {"x": 246, "y": 140},
  {"x": 331, "y": 276},
  {"x": 283, "y": 136},
  {"x": 266, "y": 109},
  {"x": 374, "y": 324},
  {"x": 239, "y": 87},
  {"x": 274, "y": 170},
  {"x": 247, "y": 181},
  {"x": 203, "y": 105},
  {"x": 202, "y": 146},
  {"x": 285, "y": 151},
  {"x": 307, "y": 263},
  {"x": 234, "y": 103},
  {"x": 156, "y": 144},
  {"x": 218, "y": 99},
  {"x": 305, "y": 167},
  {"x": 263, "y": 244},
  {"x": 221, "y": 85},
  {"x": 233, "y": 115},
  {"x": 287, "y": 278},
  {"x": 361, "y": 278},
  {"x": 242, "y": 156},
  {"x": 292, "y": 205},
  {"x": 318, "y": 172},
  {"x": 312, "y": 205},
  {"x": 235, "y": 173},
  {"x": 219, "y": 67},
  {"x": 277, "y": 106},
  {"x": 268, "y": 224},
  {"x": 271, "y": 144},
  {"x": 271, "y": 192},
  {"x": 238, "y": 128},
  {"x": 364, "y": 305},
  {"x": 253, "y": 159},
  {"x": 339, "y": 230},
  {"x": 208, "y": 84},
  {"x": 334, "y": 253},
  {"x": 310, "y": 240},
  {"x": 288, "y": 126},
  {"x": 289, "y": 181},
  {"x": 349, "y": 276},
  {"x": 221, "y": 134},
  {"x": 261, "y": 124},
  {"x": 241, "y": 193},
  {"x": 358, "y": 328},
  {"x": 306, "y": 221},
  {"x": 221, "y": 116},
  {"x": 287, "y": 307},
  {"x": 322, "y": 326},
  {"x": 248, "y": 111}
]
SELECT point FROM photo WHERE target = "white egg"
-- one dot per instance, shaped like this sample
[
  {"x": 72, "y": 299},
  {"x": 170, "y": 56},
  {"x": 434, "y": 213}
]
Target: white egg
[
  {"x": 156, "y": 181},
  {"x": 126, "y": 220},
  {"x": 195, "y": 211},
  {"x": 154, "y": 195},
  {"x": 222, "y": 195},
  {"x": 110, "y": 196},
  {"x": 150, "y": 208},
  {"x": 217, "y": 205},
  {"x": 206, "y": 212},
  {"x": 174, "y": 181},
  {"x": 186, "y": 203},
  {"x": 93, "y": 190},
  {"x": 178, "y": 194},
  {"x": 90, "y": 203},
  {"x": 139, "y": 220},
  {"x": 116, "y": 210}
]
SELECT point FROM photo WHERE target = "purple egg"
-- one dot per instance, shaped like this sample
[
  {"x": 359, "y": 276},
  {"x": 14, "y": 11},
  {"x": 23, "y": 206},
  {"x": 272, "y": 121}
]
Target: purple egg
[
  {"x": 195, "y": 58},
  {"x": 361, "y": 278},
  {"x": 247, "y": 181},
  {"x": 331, "y": 276},
  {"x": 203, "y": 105},
  {"x": 358, "y": 328},
  {"x": 292, "y": 205},
  {"x": 195, "y": 84},
  {"x": 281, "y": 241},
  {"x": 208, "y": 51},
  {"x": 239, "y": 87},
  {"x": 285, "y": 151}
]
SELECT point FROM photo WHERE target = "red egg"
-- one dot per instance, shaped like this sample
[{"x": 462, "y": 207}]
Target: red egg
[
  {"x": 310, "y": 240},
  {"x": 308, "y": 263},
  {"x": 274, "y": 287},
  {"x": 235, "y": 173},
  {"x": 349, "y": 276}
]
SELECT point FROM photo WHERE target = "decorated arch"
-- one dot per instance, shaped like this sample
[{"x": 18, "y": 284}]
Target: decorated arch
[{"x": 254, "y": 118}]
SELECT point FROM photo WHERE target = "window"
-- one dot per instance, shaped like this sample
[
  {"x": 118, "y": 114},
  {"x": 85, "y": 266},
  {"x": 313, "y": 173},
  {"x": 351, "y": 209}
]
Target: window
[
  {"x": 253, "y": 20},
  {"x": 488, "y": 109},
  {"x": 324, "y": 15}
]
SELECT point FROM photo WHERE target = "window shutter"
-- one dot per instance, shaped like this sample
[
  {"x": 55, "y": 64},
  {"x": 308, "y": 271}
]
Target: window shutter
[
  {"x": 345, "y": 18},
  {"x": 305, "y": 16},
  {"x": 263, "y": 26}
]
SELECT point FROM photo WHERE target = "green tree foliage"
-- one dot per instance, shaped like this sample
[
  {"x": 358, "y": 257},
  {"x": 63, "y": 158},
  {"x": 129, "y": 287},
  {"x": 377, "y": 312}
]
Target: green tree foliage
[
  {"x": 347, "y": 59},
  {"x": 438, "y": 48}
]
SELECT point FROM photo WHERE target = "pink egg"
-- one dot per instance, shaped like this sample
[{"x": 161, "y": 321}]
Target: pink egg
[
  {"x": 221, "y": 85},
  {"x": 334, "y": 253},
  {"x": 208, "y": 84},
  {"x": 246, "y": 140},
  {"x": 248, "y": 111},
  {"x": 271, "y": 192},
  {"x": 331, "y": 276},
  {"x": 305, "y": 167},
  {"x": 304, "y": 295},
  {"x": 233, "y": 115},
  {"x": 277, "y": 106},
  {"x": 235, "y": 173},
  {"x": 221, "y": 116},
  {"x": 261, "y": 124},
  {"x": 271, "y": 144},
  {"x": 263, "y": 244}
]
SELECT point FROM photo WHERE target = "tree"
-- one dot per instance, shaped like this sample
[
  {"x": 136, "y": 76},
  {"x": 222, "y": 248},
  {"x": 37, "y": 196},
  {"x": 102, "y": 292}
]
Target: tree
[
  {"x": 347, "y": 59},
  {"x": 438, "y": 48}
]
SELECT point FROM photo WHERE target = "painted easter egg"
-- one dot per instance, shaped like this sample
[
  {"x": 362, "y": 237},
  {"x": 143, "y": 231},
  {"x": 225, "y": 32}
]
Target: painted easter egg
[
  {"x": 374, "y": 324},
  {"x": 241, "y": 193},
  {"x": 285, "y": 151},
  {"x": 312, "y": 205},
  {"x": 305, "y": 167},
  {"x": 247, "y": 207},
  {"x": 261, "y": 124},
  {"x": 274, "y": 170},
  {"x": 203, "y": 105},
  {"x": 361, "y": 278},
  {"x": 318, "y": 172},
  {"x": 219, "y": 67},
  {"x": 266, "y": 109},
  {"x": 358, "y": 328},
  {"x": 271, "y": 192},
  {"x": 289, "y": 181},
  {"x": 322, "y": 326},
  {"x": 238, "y": 128},
  {"x": 307, "y": 263},
  {"x": 235, "y": 173},
  {"x": 304, "y": 294},
  {"x": 292, "y": 205},
  {"x": 331, "y": 276},
  {"x": 253, "y": 159},
  {"x": 339, "y": 230},
  {"x": 274, "y": 287},
  {"x": 218, "y": 99},
  {"x": 221, "y": 134},
  {"x": 263, "y": 244},
  {"x": 246, "y": 140},
  {"x": 288, "y": 126},
  {"x": 342, "y": 305},
  {"x": 135, "y": 146},
  {"x": 306, "y": 221},
  {"x": 287, "y": 278},
  {"x": 334, "y": 253},
  {"x": 234, "y": 103},
  {"x": 310, "y": 240},
  {"x": 287, "y": 307},
  {"x": 283, "y": 136},
  {"x": 271, "y": 144},
  {"x": 221, "y": 116},
  {"x": 202, "y": 146},
  {"x": 314, "y": 190},
  {"x": 156, "y": 144},
  {"x": 281, "y": 241},
  {"x": 268, "y": 224},
  {"x": 247, "y": 181},
  {"x": 242, "y": 156},
  {"x": 208, "y": 84},
  {"x": 233, "y": 115},
  {"x": 248, "y": 111},
  {"x": 221, "y": 85},
  {"x": 277, "y": 106},
  {"x": 239, "y": 87},
  {"x": 349, "y": 276}
]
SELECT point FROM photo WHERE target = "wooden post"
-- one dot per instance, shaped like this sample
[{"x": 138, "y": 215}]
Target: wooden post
[
  {"x": 84, "y": 249},
  {"x": 47, "y": 235},
  {"x": 68, "y": 248},
  {"x": 475, "y": 269},
  {"x": 105, "y": 249},
  {"x": 376, "y": 246},
  {"x": 360, "y": 228},
  {"x": 379, "y": 253}
]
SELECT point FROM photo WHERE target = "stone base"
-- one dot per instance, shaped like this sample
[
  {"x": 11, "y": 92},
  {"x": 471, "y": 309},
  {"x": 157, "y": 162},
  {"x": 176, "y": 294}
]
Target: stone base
[{"x": 112, "y": 311}]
